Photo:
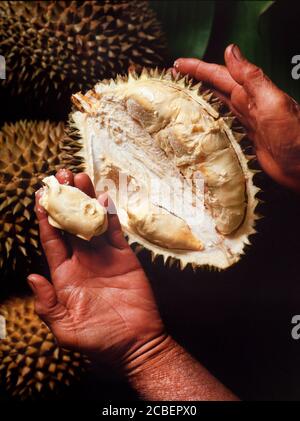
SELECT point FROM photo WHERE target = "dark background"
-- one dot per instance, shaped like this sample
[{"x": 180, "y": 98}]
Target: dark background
[{"x": 237, "y": 322}]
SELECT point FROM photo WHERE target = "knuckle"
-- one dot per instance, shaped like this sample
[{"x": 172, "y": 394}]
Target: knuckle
[
  {"x": 41, "y": 310},
  {"x": 239, "y": 98},
  {"x": 198, "y": 71},
  {"x": 235, "y": 96},
  {"x": 255, "y": 73},
  {"x": 207, "y": 73},
  {"x": 283, "y": 101},
  {"x": 45, "y": 312},
  {"x": 214, "y": 72}
]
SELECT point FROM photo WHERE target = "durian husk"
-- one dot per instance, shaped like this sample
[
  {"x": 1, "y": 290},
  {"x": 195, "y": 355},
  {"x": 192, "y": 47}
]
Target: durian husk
[
  {"x": 236, "y": 135},
  {"x": 54, "y": 48},
  {"x": 32, "y": 365},
  {"x": 30, "y": 150}
]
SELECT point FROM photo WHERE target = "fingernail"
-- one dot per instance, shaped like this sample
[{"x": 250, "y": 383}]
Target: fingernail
[
  {"x": 39, "y": 209},
  {"x": 237, "y": 53},
  {"x": 31, "y": 283},
  {"x": 176, "y": 64},
  {"x": 64, "y": 174}
]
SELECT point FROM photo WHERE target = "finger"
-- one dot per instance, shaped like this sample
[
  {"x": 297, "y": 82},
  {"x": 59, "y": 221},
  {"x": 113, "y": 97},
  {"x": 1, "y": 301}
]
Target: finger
[
  {"x": 54, "y": 246},
  {"x": 114, "y": 233},
  {"x": 248, "y": 75},
  {"x": 46, "y": 303},
  {"x": 244, "y": 120},
  {"x": 234, "y": 106},
  {"x": 240, "y": 106},
  {"x": 174, "y": 71},
  {"x": 240, "y": 99},
  {"x": 213, "y": 74},
  {"x": 65, "y": 176},
  {"x": 78, "y": 245},
  {"x": 83, "y": 182}
]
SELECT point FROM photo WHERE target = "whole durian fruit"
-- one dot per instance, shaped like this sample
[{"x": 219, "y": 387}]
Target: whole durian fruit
[
  {"x": 31, "y": 363},
  {"x": 30, "y": 150},
  {"x": 53, "y": 48},
  {"x": 173, "y": 164}
]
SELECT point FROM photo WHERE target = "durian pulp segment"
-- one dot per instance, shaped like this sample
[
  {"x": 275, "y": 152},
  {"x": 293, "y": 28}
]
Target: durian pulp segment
[
  {"x": 160, "y": 132},
  {"x": 72, "y": 210}
]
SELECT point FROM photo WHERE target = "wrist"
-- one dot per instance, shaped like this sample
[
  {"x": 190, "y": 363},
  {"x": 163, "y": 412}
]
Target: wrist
[
  {"x": 149, "y": 353},
  {"x": 150, "y": 357},
  {"x": 163, "y": 370}
]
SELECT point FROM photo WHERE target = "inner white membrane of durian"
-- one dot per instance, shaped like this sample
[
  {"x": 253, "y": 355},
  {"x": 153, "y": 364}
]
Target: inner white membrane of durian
[{"x": 175, "y": 157}]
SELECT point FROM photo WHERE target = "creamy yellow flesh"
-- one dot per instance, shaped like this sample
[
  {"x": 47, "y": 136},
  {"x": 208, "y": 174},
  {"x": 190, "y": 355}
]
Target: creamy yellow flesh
[
  {"x": 72, "y": 210},
  {"x": 156, "y": 132}
]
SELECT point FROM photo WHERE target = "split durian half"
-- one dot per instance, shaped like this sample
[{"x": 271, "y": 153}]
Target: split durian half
[
  {"x": 173, "y": 165},
  {"x": 32, "y": 365}
]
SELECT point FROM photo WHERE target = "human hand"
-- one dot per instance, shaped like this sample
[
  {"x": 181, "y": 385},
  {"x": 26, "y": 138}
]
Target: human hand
[
  {"x": 270, "y": 116},
  {"x": 99, "y": 300},
  {"x": 100, "y": 303}
]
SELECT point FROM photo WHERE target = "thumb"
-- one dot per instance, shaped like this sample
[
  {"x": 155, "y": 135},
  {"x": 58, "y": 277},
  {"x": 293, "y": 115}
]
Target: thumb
[
  {"x": 251, "y": 77},
  {"x": 46, "y": 303}
]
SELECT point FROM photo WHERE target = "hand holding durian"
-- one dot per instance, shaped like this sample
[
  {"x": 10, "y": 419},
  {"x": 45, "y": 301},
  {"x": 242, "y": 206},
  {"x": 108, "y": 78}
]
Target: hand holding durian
[
  {"x": 272, "y": 118},
  {"x": 100, "y": 302},
  {"x": 99, "y": 295}
]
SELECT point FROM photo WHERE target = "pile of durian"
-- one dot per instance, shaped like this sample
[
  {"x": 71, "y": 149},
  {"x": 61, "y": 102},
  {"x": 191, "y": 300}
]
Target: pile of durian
[
  {"x": 31, "y": 363},
  {"x": 162, "y": 145}
]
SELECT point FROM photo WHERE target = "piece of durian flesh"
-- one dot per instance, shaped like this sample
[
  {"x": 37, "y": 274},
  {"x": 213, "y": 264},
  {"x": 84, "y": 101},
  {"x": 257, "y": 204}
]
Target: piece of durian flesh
[
  {"x": 162, "y": 228},
  {"x": 164, "y": 143},
  {"x": 71, "y": 210}
]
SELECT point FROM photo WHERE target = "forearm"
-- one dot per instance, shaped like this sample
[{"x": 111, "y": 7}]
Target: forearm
[{"x": 167, "y": 372}]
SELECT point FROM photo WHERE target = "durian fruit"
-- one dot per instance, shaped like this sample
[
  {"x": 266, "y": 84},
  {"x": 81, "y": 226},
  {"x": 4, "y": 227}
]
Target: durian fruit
[
  {"x": 173, "y": 164},
  {"x": 31, "y": 363},
  {"x": 30, "y": 150},
  {"x": 58, "y": 47}
]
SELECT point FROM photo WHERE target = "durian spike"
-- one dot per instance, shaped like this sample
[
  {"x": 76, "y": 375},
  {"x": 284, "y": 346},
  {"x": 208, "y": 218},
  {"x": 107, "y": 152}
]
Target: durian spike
[
  {"x": 30, "y": 150},
  {"x": 32, "y": 365},
  {"x": 56, "y": 48}
]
